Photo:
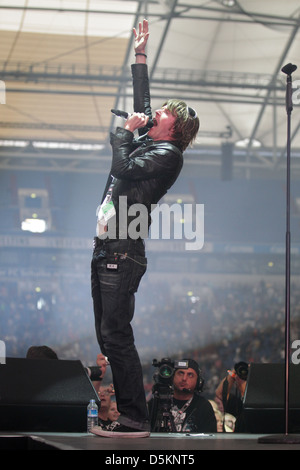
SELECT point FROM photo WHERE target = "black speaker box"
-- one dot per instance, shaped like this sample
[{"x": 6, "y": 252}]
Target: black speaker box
[
  {"x": 44, "y": 395},
  {"x": 264, "y": 401}
]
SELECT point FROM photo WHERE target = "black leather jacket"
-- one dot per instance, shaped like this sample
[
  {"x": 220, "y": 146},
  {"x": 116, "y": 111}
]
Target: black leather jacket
[{"x": 144, "y": 169}]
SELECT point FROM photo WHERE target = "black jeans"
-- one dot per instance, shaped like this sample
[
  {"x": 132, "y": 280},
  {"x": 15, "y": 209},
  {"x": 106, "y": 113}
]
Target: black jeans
[{"x": 116, "y": 270}]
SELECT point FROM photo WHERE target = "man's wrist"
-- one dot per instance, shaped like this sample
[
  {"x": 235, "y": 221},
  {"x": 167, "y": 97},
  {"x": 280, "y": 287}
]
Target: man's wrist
[
  {"x": 128, "y": 128},
  {"x": 140, "y": 57}
]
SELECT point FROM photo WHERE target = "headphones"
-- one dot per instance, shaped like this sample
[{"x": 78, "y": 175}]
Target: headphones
[{"x": 200, "y": 381}]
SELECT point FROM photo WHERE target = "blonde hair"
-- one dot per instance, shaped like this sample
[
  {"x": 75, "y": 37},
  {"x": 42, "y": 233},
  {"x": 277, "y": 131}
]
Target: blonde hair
[{"x": 186, "y": 125}]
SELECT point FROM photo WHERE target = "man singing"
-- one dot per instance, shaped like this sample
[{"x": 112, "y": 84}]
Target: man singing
[{"x": 142, "y": 171}]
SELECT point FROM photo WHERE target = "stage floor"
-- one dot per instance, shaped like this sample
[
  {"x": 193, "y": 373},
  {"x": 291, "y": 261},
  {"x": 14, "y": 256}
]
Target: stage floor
[{"x": 151, "y": 450}]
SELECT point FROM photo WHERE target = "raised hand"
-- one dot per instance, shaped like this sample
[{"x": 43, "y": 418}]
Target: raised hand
[{"x": 141, "y": 37}]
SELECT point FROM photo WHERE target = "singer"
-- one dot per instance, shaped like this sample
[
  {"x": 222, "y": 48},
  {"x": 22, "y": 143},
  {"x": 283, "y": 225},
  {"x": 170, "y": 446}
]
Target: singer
[{"x": 143, "y": 169}]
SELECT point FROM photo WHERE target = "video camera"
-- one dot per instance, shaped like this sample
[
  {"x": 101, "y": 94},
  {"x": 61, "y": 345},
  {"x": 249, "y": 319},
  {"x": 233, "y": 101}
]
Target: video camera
[
  {"x": 166, "y": 370},
  {"x": 241, "y": 369},
  {"x": 161, "y": 418}
]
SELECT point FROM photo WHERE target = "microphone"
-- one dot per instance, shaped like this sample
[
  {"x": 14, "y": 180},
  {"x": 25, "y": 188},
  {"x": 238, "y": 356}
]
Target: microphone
[
  {"x": 126, "y": 115},
  {"x": 288, "y": 69}
]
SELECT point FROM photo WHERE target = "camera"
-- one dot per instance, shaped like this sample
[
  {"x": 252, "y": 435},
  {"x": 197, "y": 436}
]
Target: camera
[
  {"x": 161, "y": 418},
  {"x": 166, "y": 369},
  {"x": 241, "y": 369}
]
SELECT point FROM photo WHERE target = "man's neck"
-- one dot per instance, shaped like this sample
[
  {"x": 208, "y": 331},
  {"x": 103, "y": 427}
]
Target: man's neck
[{"x": 183, "y": 396}]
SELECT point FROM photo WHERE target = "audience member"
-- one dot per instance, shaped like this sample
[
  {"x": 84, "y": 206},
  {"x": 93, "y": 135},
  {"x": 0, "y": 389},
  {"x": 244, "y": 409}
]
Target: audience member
[
  {"x": 113, "y": 412},
  {"x": 96, "y": 373},
  {"x": 105, "y": 402},
  {"x": 41, "y": 352},
  {"x": 218, "y": 415},
  {"x": 230, "y": 393}
]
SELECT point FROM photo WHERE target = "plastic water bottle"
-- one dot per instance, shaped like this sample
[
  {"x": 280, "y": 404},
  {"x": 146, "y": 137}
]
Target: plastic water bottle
[{"x": 92, "y": 415}]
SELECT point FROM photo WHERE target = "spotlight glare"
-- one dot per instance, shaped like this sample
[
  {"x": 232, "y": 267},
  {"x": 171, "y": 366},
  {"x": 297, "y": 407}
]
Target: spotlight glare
[{"x": 34, "y": 225}]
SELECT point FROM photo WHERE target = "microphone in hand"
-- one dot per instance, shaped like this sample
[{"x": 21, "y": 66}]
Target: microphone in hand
[{"x": 125, "y": 115}]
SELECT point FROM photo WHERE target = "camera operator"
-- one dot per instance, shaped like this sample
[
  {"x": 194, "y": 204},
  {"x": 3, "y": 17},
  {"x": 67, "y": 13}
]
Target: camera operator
[
  {"x": 190, "y": 412},
  {"x": 230, "y": 393}
]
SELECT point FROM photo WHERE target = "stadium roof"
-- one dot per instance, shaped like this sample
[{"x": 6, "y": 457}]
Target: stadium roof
[{"x": 65, "y": 63}]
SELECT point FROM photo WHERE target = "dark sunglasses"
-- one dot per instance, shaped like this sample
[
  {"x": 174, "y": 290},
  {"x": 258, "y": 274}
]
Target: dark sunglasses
[{"x": 192, "y": 113}]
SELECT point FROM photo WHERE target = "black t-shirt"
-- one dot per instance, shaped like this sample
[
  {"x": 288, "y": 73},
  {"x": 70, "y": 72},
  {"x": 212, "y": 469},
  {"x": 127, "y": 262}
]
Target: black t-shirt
[{"x": 195, "y": 416}]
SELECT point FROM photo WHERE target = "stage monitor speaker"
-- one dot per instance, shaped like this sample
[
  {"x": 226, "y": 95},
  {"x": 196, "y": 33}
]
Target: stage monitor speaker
[
  {"x": 264, "y": 401},
  {"x": 44, "y": 395}
]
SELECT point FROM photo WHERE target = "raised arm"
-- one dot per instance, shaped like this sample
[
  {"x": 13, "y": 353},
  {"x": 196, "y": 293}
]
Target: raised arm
[
  {"x": 140, "y": 41},
  {"x": 141, "y": 93}
]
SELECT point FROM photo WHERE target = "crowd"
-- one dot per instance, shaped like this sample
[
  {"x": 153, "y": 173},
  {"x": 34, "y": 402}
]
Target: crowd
[{"x": 217, "y": 324}]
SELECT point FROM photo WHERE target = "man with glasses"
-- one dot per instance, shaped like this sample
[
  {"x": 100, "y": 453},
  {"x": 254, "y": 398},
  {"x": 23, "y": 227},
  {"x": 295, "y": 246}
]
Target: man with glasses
[{"x": 142, "y": 171}]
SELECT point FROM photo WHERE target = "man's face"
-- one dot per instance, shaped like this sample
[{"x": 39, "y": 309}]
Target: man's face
[
  {"x": 185, "y": 379},
  {"x": 163, "y": 125},
  {"x": 105, "y": 397}
]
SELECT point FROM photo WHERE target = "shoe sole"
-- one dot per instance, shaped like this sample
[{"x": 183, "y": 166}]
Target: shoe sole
[{"x": 120, "y": 435}]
